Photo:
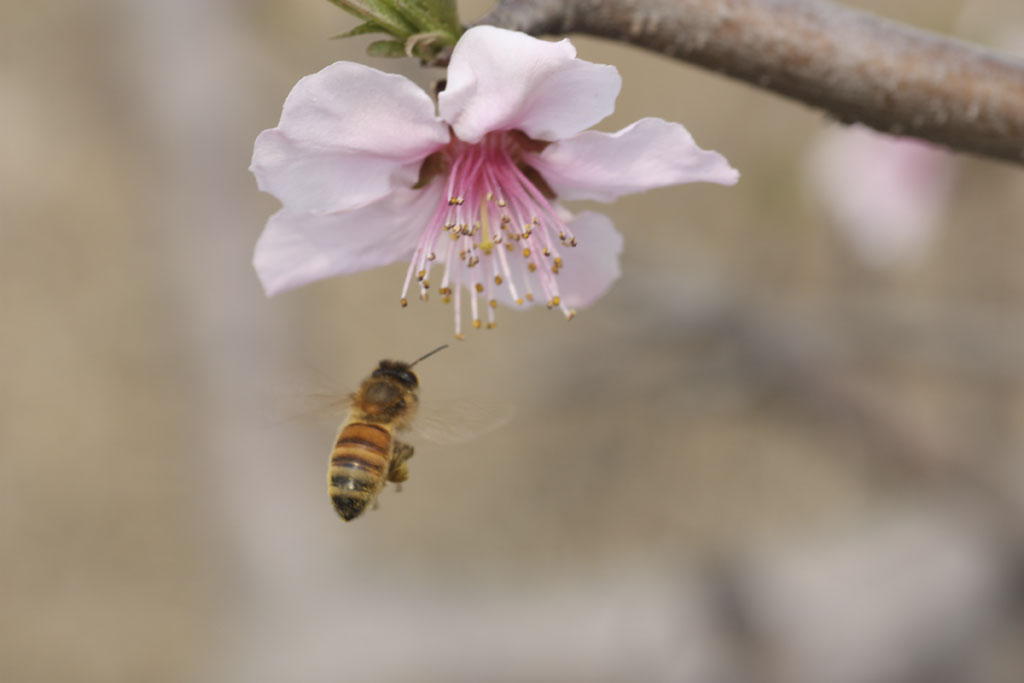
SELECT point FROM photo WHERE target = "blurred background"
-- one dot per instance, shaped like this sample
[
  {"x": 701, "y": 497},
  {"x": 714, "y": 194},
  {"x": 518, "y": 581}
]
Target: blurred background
[{"x": 785, "y": 447}]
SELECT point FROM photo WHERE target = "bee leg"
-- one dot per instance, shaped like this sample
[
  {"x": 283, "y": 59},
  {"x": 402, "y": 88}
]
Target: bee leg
[
  {"x": 398, "y": 473},
  {"x": 399, "y": 470},
  {"x": 403, "y": 451}
]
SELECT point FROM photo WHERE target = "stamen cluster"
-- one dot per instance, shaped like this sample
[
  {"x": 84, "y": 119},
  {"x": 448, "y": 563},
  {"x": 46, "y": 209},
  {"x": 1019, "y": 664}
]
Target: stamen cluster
[{"x": 499, "y": 225}]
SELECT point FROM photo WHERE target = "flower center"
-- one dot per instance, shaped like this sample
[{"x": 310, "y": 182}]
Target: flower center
[{"x": 493, "y": 228}]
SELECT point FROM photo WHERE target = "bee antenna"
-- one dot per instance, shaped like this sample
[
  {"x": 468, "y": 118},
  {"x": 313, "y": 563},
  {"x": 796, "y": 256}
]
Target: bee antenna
[{"x": 428, "y": 355}]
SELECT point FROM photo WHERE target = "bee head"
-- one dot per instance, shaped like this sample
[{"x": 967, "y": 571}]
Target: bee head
[{"x": 398, "y": 371}]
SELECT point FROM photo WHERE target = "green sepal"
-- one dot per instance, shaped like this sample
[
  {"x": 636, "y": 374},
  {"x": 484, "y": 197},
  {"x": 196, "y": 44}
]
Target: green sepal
[
  {"x": 417, "y": 14},
  {"x": 446, "y": 13},
  {"x": 362, "y": 29},
  {"x": 418, "y": 28},
  {"x": 378, "y": 12},
  {"x": 386, "y": 48}
]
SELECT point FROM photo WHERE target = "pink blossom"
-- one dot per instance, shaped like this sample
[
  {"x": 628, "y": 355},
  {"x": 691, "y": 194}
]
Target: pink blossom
[
  {"x": 886, "y": 194},
  {"x": 368, "y": 174}
]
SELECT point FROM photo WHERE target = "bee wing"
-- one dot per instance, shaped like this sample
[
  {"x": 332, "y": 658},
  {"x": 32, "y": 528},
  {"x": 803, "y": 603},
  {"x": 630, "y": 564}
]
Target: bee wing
[
  {"x": 460, "y": 421},
  {"x": 312, "y": 407}
]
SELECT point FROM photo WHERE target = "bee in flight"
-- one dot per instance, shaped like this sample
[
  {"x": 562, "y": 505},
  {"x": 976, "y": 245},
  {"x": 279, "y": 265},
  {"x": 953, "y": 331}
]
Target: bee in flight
[{"x": 366, "y": 453}]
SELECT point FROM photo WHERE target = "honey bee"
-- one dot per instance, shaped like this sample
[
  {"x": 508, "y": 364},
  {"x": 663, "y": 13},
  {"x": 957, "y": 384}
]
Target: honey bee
[{"x": 366, "y": 453}]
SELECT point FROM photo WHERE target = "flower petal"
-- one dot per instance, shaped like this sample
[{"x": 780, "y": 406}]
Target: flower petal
[
  {"x": 348, "y": 135},
  {"x": 593, "y": 265},
  {"x": 503, "y": 80},
  {"x": 647, "y": 154},
  {"x": 297, "y": 248},
  {"x": 588, "y": 269}
]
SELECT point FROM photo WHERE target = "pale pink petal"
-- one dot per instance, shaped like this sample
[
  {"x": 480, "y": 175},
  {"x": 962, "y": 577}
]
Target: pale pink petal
[
  {"x": 298, "y": 248},
  {"x": 503, "y": 80},
  {"x": 887, "y": 195},
  {"x": 588, "y": 270},
  {"x": 593, "y": 265},
  {"x": 348, "y": 135},
  {"x": 647, "y": 154}
]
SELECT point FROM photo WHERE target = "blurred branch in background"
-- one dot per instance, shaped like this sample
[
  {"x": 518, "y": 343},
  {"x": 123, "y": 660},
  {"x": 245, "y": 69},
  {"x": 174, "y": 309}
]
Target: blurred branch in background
[
  {"x": 855, "y": 66},
  {"x": 916, "y": 597},
  {"x": 927, "y": 588},
  {"x": 819, "y": 358}
]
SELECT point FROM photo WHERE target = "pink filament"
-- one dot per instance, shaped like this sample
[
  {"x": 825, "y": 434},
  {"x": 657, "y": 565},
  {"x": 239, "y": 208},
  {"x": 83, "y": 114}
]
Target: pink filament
[{"x": 517, "y": 216}]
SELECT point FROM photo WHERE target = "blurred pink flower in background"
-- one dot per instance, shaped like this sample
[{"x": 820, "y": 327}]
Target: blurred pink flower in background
[
  {"x": 887, "y": 195},
  {"x": 368, "y": 175}
]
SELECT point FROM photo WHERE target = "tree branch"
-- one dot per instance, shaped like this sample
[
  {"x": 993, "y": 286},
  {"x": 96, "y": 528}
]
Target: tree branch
[{"x": 853, "y": 65}]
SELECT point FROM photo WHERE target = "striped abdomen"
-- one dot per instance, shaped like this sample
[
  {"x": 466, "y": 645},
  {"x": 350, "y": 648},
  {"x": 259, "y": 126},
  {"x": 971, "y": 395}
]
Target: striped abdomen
[{"x": 359, "y": 465}]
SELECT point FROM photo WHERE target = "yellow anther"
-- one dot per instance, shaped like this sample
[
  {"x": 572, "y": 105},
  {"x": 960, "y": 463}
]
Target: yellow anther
[
  {"x": 494, "y": 303},
  {"x": 532, "y": 267},
  {"x": 526, "y": 252},
  {"x": 460, "y": 336},
  {"x": 476, "y": 324},
  {"x": 490, "y": 326},
  {"x": 420, "y": 275},
  {"x": 519, "y": 301},
  {"x": 479, "y": 287},
  {"x": 498, "y": 280},
  {"x": 556, "y": 301},
  {"x": 405, "y": 302}
]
